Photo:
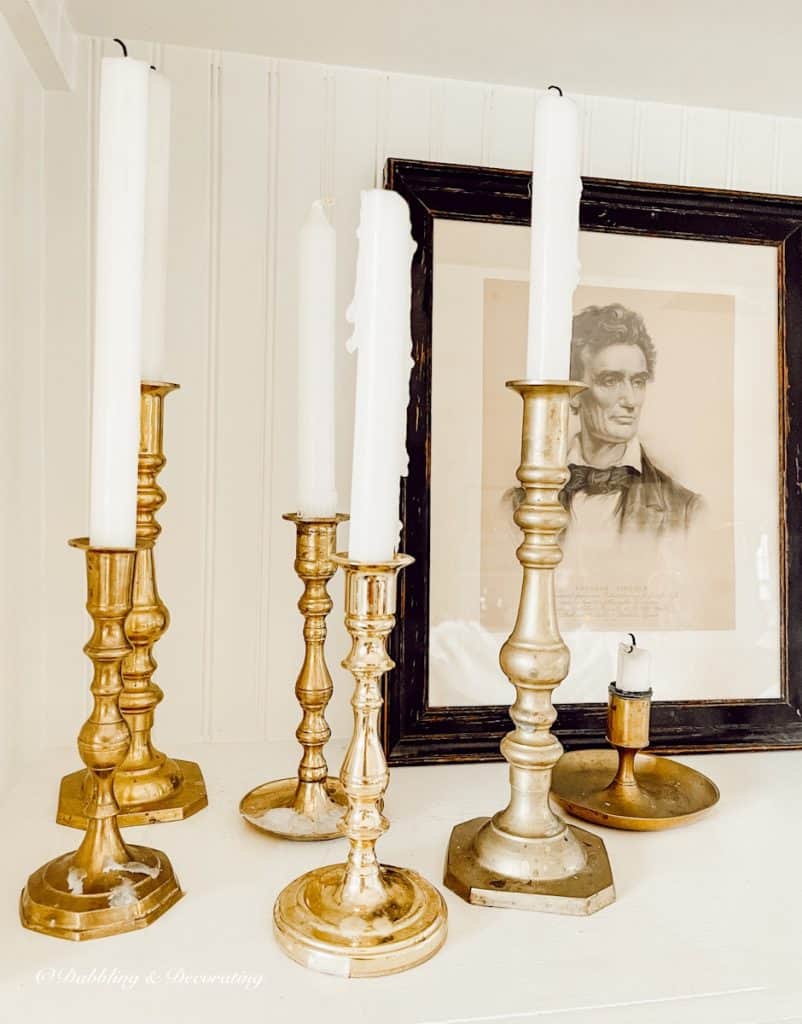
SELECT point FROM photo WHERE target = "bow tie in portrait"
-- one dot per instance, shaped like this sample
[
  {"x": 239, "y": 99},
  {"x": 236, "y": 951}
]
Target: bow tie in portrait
[{"x": 599, "y": 481}]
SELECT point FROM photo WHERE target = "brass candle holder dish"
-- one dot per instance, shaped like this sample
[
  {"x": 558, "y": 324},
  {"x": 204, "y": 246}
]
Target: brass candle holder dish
[
  {"x": 310, "y": 805},
  {"x": 624, "y": 788},
  {"x": 526, "y": 856},
  {"x": 105, "y": 886},
  {"x": 363, "y": 918},
  {"x": 149, "y": 787}
]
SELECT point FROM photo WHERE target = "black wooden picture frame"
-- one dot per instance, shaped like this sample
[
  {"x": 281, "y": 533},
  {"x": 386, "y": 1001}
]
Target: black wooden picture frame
[{"x": 414, "y": 732}]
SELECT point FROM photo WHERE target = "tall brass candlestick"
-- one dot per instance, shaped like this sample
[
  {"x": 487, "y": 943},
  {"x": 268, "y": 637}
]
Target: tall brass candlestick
[
  {"x": 363, "y": 918},
  {"x": 105, "y": 886},
  {"x": 149, "y": 786},
  {"x": 526, "y": 856},
  {"x": 310, "y": 805}
]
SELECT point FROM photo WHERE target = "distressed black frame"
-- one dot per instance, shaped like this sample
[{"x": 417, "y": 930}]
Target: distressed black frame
[{"x": 415, "y": 733}]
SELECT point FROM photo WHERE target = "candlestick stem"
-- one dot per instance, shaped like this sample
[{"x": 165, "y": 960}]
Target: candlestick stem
[
  {"x": 105, "y": 886},
  {"x": 363, "y": 918},
  {"x": 150, "y": 786},
  {"x": 525, "y": 855},
  {"x": 309, "y": 806}
]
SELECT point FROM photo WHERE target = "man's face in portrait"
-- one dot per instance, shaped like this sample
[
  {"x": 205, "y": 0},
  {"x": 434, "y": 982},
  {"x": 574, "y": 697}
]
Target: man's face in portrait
[{"x": 616, "y": 376}]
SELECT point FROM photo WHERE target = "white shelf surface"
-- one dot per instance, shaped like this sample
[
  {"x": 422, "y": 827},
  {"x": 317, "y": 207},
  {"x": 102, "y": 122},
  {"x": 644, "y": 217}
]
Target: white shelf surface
[{"x": 707, "y": 926}]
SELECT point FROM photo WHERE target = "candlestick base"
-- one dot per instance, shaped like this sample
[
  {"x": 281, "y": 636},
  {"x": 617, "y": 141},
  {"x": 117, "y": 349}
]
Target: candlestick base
[
  {"x": 291, "y": 809},
  {"x": 516, "y": 884},
  {"x": 321, "y": 928},
  {"x": 184, "y": 801},
  {"x": 664, "y": 794},
  {"x": 122, "y": 898}
]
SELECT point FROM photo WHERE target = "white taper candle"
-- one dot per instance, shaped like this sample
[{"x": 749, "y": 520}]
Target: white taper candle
[
  {"x": 554, "y": 257},
  {"x": 154, "y": 298},
  {"x": 122, "y": 161},
  {"x": 380, "y": 314},
  {"x": 317, "y": 289}
]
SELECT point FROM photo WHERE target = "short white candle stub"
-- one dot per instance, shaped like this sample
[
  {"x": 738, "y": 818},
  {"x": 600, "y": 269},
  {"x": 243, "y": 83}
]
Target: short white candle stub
[{"x": 633, "y": 675}]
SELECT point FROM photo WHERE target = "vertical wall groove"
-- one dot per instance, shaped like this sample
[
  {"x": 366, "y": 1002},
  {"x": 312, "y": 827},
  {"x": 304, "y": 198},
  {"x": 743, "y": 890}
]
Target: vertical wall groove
[
  {"x": 264, "y": 553},
  {"x": 328, "y": 142},
  {"x": 637, "y": 142},
  {"x": 213, "y": 320},
  {"x": 732, "y": 155},
  {"x": 683, "y": 147},
  {"x": 776, "y": 154},
  {"x": 382, "y": 117}
]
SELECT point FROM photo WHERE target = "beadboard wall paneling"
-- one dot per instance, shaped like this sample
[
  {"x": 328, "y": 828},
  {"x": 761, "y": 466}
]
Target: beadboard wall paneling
[
  {"x": 255, "y": 141},
  {"x": 22, "y": 576}
]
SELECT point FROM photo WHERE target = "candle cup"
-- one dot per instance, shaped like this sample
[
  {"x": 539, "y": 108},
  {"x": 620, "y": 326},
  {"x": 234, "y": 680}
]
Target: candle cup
[
  {"x": 625, "y": 788},
  {"x": 149, "y": 786},
  {"x": 105, "y": 886},
  {"x": 363, "y": 918},
  {"x": 526, "y": 856},
  {"x": 309, "y": 805}
]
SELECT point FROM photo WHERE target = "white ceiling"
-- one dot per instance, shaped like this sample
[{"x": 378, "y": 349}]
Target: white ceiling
[{"x": 736, "y": 54}]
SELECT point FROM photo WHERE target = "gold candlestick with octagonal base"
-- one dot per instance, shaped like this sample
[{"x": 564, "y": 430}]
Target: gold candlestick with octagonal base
[
  {"x": 363, "y": 918},
  {"x": 525, "y": 856},
  {"x": 150, "y": 786},
  {"x": 105, "y": 886},
  {"x": 310, "y": 805}
]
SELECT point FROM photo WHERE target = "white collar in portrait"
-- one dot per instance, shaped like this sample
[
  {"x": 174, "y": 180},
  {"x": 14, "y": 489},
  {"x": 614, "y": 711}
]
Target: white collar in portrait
[{"x": 631, "y": 456}]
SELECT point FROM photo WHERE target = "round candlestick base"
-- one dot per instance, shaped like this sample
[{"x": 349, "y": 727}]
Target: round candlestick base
[
  {"x": 664, "y": 793},
  {"x": 301, "y": 811},
  {"x": 321, "y": 929},
  {"x": 121, "y": 898},
  {"x": 584, "y": 891}
]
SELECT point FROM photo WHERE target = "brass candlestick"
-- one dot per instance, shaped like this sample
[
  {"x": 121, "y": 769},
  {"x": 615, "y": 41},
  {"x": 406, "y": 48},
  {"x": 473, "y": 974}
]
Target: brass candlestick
[
  {"x": 363, "y": 918},
  {"x": 526, "y": 856},
  {"x": 105, "y": 886},
  {"x": 149, "y": 786},
  {"x": 624, "y": 788},
  {"x": 310, "y": 805}
]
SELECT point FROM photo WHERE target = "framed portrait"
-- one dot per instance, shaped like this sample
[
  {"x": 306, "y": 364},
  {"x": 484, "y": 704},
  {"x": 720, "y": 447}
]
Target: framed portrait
[{"x": 684, "y": 496}]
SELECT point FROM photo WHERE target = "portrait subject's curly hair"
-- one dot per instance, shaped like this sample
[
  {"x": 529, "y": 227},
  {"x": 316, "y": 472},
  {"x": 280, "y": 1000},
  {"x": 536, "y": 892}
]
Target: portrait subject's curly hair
[{"x": 596, "y": 327}]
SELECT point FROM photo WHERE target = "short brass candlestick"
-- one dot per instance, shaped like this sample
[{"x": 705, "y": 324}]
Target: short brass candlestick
[
  {"x": 526, "y": 856},
  {"x": 149, "y": 786},
  {"x": 624, "y": 788},
  {"x": 105, "y": 886},
  {"x": 310, "y": 805},
  {"x": 363, "y": 918}
]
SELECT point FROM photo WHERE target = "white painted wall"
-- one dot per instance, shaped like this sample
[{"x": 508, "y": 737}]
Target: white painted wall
[
  {"x": 21, "y": 462},
  {"x": 255, "y": 141}
]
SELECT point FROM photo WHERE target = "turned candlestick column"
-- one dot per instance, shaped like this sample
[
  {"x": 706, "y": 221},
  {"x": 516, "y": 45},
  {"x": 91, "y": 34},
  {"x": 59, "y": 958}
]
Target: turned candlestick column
[{"x": 149, "y": 786}]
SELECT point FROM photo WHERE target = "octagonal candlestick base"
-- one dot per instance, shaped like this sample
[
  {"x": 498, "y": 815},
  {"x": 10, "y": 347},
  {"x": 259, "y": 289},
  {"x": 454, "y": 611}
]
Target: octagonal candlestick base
[
  {"x": 309, "y": 806},
  {"x": 526, "y": 856},
  {"x": 105, "y": 886},
  {"x": 363, "y": 918}
]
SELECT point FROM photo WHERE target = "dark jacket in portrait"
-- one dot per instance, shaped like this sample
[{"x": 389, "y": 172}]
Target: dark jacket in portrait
[{"x": 654, "y": 502}]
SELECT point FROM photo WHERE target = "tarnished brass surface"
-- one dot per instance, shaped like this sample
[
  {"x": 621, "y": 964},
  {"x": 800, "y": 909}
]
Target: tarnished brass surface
[
  {"x": 104, "y": 887},
  {"x": 626, "y": 789},
  {"x": 150, "y": 786},
  {"x": 666, "y": 793},
  {"x": 588, "y": 890},
  {"x": 316, "y": 799},
  {"x": 362, "y": 918},
  {"x": 525, "y": 855}
]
